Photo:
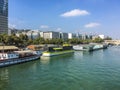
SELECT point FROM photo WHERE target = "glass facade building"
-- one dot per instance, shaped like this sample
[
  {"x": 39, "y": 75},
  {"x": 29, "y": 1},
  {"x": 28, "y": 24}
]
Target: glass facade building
[{"x": 3, "y": 16}]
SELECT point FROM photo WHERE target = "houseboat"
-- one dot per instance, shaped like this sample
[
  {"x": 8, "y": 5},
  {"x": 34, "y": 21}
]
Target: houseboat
[
  {"x": 10, "y": 55},
  {"x": 83, "y": 47},
  {"x": 89, "y": 47},
  {"x": 53, "y": 51},
  {"x": 6, "y": 52},
  {"x": 97, "y": 46}
]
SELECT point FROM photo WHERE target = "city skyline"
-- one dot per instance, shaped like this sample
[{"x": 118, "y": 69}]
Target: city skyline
[{"x": 90, "y": 16}]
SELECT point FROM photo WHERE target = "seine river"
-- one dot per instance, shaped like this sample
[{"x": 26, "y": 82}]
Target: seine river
[{"x": 98, "y": 70}]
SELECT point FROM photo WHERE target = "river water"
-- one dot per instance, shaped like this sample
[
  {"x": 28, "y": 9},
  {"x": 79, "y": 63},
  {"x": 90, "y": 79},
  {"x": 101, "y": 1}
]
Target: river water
[{"x": 98, "y": 70}]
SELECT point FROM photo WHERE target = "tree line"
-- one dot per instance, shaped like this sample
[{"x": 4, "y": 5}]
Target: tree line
[{"x": 23, "y": 40}]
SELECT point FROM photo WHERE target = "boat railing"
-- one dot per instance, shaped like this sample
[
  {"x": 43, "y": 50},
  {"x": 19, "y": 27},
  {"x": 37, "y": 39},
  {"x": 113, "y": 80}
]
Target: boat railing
[{"x": 17, "y": 60}]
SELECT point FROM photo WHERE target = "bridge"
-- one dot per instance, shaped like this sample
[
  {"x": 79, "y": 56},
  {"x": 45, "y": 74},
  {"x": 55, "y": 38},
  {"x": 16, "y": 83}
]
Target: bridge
[{"x": 113, "y": 42}]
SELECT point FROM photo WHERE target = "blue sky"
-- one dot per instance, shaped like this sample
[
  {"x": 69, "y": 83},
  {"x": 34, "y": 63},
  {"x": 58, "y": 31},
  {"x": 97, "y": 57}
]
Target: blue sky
[{"x": 83, "y": 16}]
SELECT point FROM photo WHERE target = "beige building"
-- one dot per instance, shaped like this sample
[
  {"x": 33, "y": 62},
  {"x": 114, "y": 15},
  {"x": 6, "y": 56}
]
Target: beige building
[
  {"x": 51, "y": 35},
  {"x": 71, "y": 35}
]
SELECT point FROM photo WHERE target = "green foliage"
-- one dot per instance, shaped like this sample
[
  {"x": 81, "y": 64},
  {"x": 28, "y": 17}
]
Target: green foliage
[
  {"x": 14, "y": 40},
  {"x": 98, "y": 40},
  {"x": 23, "y": 40},
  {"x": 53, "y": 41},
  {"x": 108, "y": 38}
]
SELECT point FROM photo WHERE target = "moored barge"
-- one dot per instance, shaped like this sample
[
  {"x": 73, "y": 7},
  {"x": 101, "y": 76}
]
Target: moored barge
[
  {"x": 53, "y": 51},
  {"x": 10, "y": 55}
]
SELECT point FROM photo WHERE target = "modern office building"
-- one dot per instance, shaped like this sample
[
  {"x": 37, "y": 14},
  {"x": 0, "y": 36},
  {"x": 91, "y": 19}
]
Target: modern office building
[
  {"x": 63, "y": 35},
  {"x": 3, "y": 16},
  {"x": 71, "y": 35},
  {"x": 84, "y": 36},
  {"x": 102, "y": 36},
  {"x": 50, "y": 35}
]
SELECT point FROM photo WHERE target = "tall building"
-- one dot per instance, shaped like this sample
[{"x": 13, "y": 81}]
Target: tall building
[
  {"x": 50, "y": 35},
  {"x": 63, "y": 36},
  {"x": 3, "y": 16},
  {"x": 71, "y": 35},
  {"x": 102, "y": 36}
]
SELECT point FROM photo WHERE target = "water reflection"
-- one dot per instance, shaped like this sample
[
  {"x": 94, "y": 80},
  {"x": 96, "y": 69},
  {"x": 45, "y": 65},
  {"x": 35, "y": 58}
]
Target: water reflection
[
  {"x": 47, "y": 60},
  {"x": 44, "y": 60},
  {"x": 82, "y": 53},
  {"x": 4, "y": 78}
]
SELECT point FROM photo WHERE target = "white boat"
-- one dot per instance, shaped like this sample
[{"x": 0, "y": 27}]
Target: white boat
[
  {"x": 89, "y": 47},
  {"x": 83, "y": 47},
  {"x": 10, "y": 55},
  {"x": 13, "y": 61},
  {"x": 16, "y": 57},
  {"x": 98, "y": 46}
]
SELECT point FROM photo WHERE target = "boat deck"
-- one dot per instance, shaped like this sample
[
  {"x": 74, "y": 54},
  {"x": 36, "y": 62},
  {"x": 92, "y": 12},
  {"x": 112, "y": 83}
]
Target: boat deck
[{"x": 9, "y": 62}]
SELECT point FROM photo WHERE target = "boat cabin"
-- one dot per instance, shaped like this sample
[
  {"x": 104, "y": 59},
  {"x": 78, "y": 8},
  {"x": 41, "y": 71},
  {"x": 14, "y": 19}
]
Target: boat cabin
[
  {"x": 5, "y": 56},
  {"x": 7, "y": 52},
  {"x": 60, "y": 48}
]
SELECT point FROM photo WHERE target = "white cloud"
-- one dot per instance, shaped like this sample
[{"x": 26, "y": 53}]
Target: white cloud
[
  {"x": 44, "y": 26},
  {"x": 75, "y": 12},
  {"x": 92, "y": 25},
  {"x": 11, "y": 26}
]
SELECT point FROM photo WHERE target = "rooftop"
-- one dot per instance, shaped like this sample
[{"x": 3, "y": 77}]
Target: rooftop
[{"x": 8, "y": 47}]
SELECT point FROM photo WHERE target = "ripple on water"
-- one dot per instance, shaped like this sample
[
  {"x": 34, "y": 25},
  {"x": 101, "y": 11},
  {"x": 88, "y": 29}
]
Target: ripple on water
[{"x": 99, "y": 70}]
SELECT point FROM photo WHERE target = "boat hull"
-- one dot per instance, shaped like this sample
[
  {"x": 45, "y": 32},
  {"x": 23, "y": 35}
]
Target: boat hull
[
  {"x": 82, "y": 48},
  {"x": 49, "y": 54},
  {"x": 99, "y": 46},
  {"x": 9, "y": 62}
]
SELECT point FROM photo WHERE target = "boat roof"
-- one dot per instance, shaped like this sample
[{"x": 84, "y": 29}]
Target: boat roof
[
  {"x": 57, "y": 48},
  {"x": 25, "y": 51},
  {"x": 66, "y": 44},
  {"x": 8, "y": 47}
]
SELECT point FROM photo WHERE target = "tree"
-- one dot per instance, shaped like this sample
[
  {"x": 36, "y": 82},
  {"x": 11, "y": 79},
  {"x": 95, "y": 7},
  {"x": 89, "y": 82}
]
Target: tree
[
  {"x": 108, "y": 38},
  {"x": 98, "y": 40}
]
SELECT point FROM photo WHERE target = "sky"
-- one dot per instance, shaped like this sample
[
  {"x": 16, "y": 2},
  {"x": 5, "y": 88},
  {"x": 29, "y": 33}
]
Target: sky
[{"x": 74, "y": 16}]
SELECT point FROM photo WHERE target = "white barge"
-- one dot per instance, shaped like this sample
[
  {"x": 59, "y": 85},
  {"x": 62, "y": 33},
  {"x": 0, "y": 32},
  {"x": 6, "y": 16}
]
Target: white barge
[
  {"x": 89, "y": 47},
  {"x": 9, "y": 62},
  {"x": 98, "y": 46},
  {"x": 83, "y": 47},
  {"x": 17, "y": 57},
  {"x": 10, "y": 55}
]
